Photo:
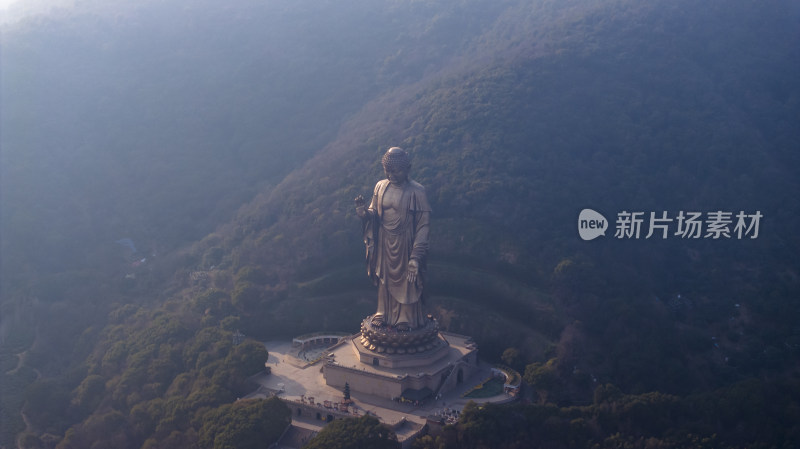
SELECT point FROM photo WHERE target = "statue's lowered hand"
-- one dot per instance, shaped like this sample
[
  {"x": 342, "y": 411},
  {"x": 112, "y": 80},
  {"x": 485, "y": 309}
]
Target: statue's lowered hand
[{"x": 413, "y": 269}]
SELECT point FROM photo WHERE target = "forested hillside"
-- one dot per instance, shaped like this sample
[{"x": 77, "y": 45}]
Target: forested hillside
[{"x": 173, "y": 172}]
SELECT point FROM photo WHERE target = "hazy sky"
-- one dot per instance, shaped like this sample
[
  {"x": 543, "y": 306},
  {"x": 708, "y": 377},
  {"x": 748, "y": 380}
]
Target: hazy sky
[{"x": 21, "y": 8}]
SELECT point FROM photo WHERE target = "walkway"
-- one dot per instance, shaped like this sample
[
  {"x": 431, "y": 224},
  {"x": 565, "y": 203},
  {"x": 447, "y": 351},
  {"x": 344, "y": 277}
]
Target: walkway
[{"x": 291, "y": 381}]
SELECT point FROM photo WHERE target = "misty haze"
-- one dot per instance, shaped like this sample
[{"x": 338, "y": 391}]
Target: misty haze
[{"x": 595, "y": 204}]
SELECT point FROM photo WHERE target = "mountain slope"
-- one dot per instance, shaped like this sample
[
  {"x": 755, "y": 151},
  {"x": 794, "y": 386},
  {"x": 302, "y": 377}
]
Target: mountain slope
[
  {"x": 535, "y": 112},
  {"x": 525, "y": 144},
  {"x": 656, "y": 116}
]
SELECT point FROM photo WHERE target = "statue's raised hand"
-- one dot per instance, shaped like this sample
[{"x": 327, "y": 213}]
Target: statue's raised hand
[{"x": 359, "y": 200}]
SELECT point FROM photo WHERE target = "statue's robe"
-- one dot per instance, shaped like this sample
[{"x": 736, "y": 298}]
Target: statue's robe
[{"x": 394, "y": 234}]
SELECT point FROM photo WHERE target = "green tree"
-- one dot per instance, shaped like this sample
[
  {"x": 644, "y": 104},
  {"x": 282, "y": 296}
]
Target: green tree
[
  {"x": 89, "y": 393},
  {"x": 230, "y": 323},
  {"x": 511, "y": 357},
  {"x": 209, "y": 300},
  {"x": 246, "y": 424},
  {"x": 253, "y": 275},
  {"x": 246, "y": 296},
  {"x": 543, "y": 378},
  {"x": 362, "y": 433},
  {"x": 429, "y": 442}
]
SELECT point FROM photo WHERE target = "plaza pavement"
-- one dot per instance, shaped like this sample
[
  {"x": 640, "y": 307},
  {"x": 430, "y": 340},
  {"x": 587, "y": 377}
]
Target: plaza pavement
[{"x": 290, "y": 379}]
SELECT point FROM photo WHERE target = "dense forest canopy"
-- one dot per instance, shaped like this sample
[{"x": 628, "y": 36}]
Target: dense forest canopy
[{"x": 173, "y": 172}]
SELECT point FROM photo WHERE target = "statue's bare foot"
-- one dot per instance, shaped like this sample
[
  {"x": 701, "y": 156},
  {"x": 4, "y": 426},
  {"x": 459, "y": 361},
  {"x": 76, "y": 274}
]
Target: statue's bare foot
[{"x": 377, "y": 320}]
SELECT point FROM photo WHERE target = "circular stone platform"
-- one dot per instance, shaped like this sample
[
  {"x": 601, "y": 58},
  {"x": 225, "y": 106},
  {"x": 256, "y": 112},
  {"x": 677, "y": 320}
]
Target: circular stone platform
[{"x": 389, "y": 340}]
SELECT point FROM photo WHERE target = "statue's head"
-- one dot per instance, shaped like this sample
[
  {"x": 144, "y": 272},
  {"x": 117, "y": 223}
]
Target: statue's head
[{"x": 396, "y": 164}]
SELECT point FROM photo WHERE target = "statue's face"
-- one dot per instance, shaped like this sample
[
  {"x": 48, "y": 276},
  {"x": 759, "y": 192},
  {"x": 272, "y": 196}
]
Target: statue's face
[{"x": 397, "y": 176}]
